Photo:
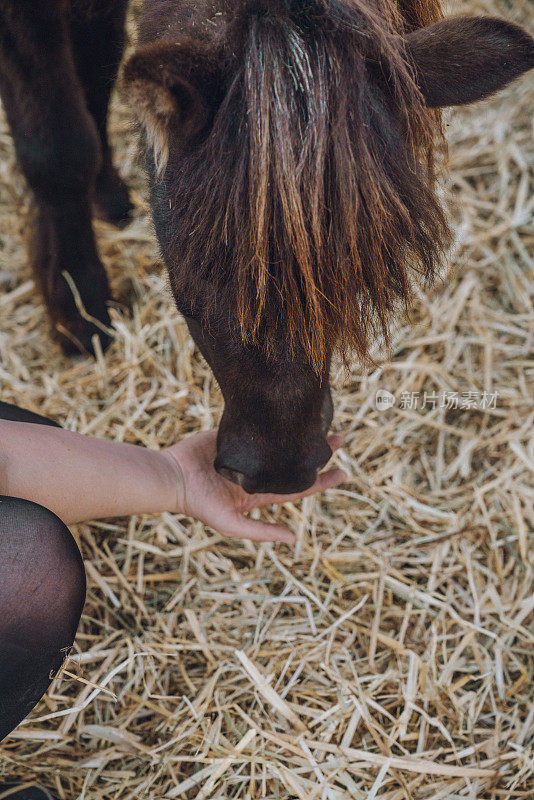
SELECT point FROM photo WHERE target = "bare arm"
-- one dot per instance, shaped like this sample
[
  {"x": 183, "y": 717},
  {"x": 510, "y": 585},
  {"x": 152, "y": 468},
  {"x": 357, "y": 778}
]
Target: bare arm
[{"x": 80, "y": 478}]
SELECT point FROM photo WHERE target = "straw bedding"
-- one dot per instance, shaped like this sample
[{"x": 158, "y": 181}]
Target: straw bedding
[{"x": 390, "y": 654}]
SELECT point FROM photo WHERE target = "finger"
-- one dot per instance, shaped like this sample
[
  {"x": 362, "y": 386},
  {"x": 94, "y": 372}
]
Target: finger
[
  {"x": 257, "y": 531},
  {"x": 326, "y": 480},
  {"x": 336, "y": 440}
]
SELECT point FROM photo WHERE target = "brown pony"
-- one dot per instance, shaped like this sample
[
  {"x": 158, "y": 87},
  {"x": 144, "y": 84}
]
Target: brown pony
[{"x": 290, "y": 145}]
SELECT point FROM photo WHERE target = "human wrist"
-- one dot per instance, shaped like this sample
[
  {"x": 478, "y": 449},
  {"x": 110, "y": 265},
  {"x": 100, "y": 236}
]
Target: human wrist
[
  {"x": 152, "y": 481},
  {"x": 172, "y": 477}
]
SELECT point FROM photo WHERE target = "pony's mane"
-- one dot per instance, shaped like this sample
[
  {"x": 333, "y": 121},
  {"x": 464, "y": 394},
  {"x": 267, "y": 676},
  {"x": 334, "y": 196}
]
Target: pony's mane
[{"x": 311, "y": 201}]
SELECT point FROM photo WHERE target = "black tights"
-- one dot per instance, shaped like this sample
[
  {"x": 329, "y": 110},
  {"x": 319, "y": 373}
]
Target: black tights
[{"x": 42, "y": 592}]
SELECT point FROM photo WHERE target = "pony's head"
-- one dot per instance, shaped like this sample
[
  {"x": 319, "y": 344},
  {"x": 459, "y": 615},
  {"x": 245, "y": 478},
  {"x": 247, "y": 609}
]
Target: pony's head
[{"x": 291, "y": 148}]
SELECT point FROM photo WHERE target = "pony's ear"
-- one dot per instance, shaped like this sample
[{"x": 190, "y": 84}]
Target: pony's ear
[
  {"x": 169, "y": 87},
  {"x": 460, "y": 60}
]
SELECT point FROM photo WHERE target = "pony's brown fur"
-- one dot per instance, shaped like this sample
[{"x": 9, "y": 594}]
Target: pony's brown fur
[{"x": 312, "y": 197}]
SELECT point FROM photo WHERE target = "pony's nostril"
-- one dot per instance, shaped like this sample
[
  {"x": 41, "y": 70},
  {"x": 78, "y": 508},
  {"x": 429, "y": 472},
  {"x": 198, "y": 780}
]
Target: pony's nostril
[
  {"x": 321, "y": 457},
  {"x": 232, "y": 475}
]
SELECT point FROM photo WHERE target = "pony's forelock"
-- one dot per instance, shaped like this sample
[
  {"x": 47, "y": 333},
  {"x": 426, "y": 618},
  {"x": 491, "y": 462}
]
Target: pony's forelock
[{"x": 311, "y": 202}]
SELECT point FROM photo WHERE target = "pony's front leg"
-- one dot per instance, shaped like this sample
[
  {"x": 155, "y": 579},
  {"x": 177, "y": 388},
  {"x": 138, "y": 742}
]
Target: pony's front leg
[
  {"x": 98, "y": 42},
  {"x": 58, "y": 148}
]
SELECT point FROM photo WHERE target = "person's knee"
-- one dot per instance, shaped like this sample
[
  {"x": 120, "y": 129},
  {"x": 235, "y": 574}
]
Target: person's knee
[
  {"x": 42, "y": 578},
  {"x": 42, "y": 590}
]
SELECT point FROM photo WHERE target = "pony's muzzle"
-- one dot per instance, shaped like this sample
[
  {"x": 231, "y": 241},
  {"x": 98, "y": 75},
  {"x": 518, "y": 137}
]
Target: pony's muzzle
[
  {"x": 264, "y": 485},
  {"x": 290, "y": 479}
]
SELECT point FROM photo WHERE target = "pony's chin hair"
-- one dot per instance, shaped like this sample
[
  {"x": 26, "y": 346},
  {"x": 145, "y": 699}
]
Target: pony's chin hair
[{"x": 313, "y": 196}]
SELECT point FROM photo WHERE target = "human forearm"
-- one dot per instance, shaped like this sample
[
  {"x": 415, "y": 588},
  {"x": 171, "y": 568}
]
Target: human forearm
[{"x": 80, "y": 478}]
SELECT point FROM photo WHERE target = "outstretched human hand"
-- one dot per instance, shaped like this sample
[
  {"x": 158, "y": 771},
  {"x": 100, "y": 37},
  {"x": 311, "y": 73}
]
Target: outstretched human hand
[{"x": 204, "y": 494}]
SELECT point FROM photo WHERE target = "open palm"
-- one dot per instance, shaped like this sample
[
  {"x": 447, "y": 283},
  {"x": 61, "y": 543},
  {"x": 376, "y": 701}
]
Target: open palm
[{"x": 204, "y": 494}]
